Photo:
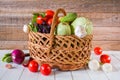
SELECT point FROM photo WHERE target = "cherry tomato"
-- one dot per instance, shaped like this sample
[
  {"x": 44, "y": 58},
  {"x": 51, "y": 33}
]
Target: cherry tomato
[
  {"x": 45, "y": 69},
  {"x": 105, "y": 58},
  {"x": 98, "y": 50},
  {"x": 39, "y": 20},
  {"x": 33, "y": 66},
  {"x": 49, "y": 13},
  {"x": 49, "y": 21},
  {"x": 45, "y": 19}
]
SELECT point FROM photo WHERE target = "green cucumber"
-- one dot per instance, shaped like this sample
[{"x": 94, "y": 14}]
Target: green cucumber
[{"x": 69, "y": 17}]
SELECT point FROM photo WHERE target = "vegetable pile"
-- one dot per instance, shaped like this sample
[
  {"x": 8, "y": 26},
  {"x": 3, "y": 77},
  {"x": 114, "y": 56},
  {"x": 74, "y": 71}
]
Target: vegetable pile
[
  {"x": 104, "y": 63},
  {"x": 41, "y": 22},
  {"x": 18, "y": 56},
  {"x": 70, "y": 24}
]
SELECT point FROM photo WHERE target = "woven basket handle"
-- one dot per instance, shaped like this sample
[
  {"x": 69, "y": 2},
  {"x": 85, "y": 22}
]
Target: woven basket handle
[{"x": 54, "y": 22}]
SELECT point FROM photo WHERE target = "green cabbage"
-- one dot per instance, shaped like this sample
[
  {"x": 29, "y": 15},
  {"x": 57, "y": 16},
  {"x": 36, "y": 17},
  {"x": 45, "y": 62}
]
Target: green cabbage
[
  {"x": 63, "y": 29},
  {"x": 82, "y": 21}
]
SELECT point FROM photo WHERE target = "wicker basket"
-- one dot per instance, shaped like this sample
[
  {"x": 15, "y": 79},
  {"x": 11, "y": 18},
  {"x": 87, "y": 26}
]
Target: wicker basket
[{"x": 63, "y": 52}]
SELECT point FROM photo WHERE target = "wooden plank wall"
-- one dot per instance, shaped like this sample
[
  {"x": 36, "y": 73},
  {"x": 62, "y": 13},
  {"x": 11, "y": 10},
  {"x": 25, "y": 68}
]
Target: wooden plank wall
[{"x": 105, "y": 15}]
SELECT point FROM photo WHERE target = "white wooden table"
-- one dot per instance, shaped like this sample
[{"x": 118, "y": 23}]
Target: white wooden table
[{"x": 21, "y": 73}]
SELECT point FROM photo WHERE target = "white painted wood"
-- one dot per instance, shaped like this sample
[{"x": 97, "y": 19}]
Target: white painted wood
[
  {"x": 115, "y": 74},
  {"x": 12, "y": 74},
  {"x": 80, "y": 75},
  {"x": 95, "y": 75},
  {"x": 21, "y": 73},
  {"x": 27, "y": 75},
  {"x": 43, "y": 77},
  {"x": 2, "y": 52},
  {"x": 63, "y": 75},
  {"x": 2, "y": 72},
  {"x": 102, "y": 75},
  {"x": 117, "y": 56}
]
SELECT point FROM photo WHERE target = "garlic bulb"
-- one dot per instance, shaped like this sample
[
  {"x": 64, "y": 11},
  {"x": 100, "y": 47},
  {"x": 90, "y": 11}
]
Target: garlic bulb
[
  {"x": 107, "y": 67},
  {"x": 80, "y": 31},
  {"x": 93, "y": 65},
  {"x": 25, "y": 28}
]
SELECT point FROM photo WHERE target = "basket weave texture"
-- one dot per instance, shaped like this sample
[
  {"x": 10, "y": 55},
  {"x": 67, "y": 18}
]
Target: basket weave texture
[{"x": 64, "y": 52}]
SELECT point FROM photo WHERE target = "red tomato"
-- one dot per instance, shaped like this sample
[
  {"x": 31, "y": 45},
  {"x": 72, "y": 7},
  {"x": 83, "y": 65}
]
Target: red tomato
[
  {"x": 105, "y": 58},
  {"x": 45, "y": 69},
  {"x": 49, "y": 13},
  {"x": 45, "y": 19},
  {"x": 98, "y": 50},
  {"x": 39, "y": 20},
  {"x": 49, "y": 21},
  {"x": 33, "y": 66}
]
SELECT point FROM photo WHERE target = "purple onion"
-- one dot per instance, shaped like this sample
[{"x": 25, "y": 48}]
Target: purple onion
[{"x": 18, "y": 56}]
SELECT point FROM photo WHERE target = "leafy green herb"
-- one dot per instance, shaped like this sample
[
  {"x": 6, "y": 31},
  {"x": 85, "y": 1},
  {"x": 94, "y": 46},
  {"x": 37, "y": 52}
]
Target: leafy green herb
[
  {"x": 31, "y": 26},
  {"x": 34, "y": 18},
  {"x": 42, "y": 14},
  {"x": 35, "y": 29},
  {"x": 35, "y": 15}
]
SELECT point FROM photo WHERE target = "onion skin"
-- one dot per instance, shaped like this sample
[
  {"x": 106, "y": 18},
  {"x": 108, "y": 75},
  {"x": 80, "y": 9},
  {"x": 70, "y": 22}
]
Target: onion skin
[{"x": 18, "y": 56}]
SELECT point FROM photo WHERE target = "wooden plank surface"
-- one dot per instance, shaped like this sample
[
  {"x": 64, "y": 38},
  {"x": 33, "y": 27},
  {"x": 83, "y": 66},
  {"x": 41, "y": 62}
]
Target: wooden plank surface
[
  {"x": 21, "y": 73},
  {"x": 80, "y": 75},
  {"x": 76, "y": 6},
  {"x": 107, "y": 19}
]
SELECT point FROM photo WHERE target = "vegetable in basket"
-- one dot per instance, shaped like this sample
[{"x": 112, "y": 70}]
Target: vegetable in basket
[
  {"x": 84, "y": 22},
  {"x": 63, "y": 29},
  {"x": 80, "y": 31},
  {"x": 68, "y": 18},
  {"x": 41, "y": 22}
]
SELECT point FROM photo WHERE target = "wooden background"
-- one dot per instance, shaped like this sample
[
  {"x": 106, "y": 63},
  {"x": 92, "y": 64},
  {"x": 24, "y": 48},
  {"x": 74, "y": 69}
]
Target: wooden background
[{"x": 105, "y": 15}]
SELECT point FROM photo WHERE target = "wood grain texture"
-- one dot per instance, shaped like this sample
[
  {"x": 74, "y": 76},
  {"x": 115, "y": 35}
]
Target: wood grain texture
[
  {"x": 105, "y": 15},
  {"x": 99, "y": 19},
  {"x": 69, "y": 5},
  {"x": 106, "y": 45}
]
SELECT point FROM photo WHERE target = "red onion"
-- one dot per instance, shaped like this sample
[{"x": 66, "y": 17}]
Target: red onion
[{"x": 18, "y": 56}]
